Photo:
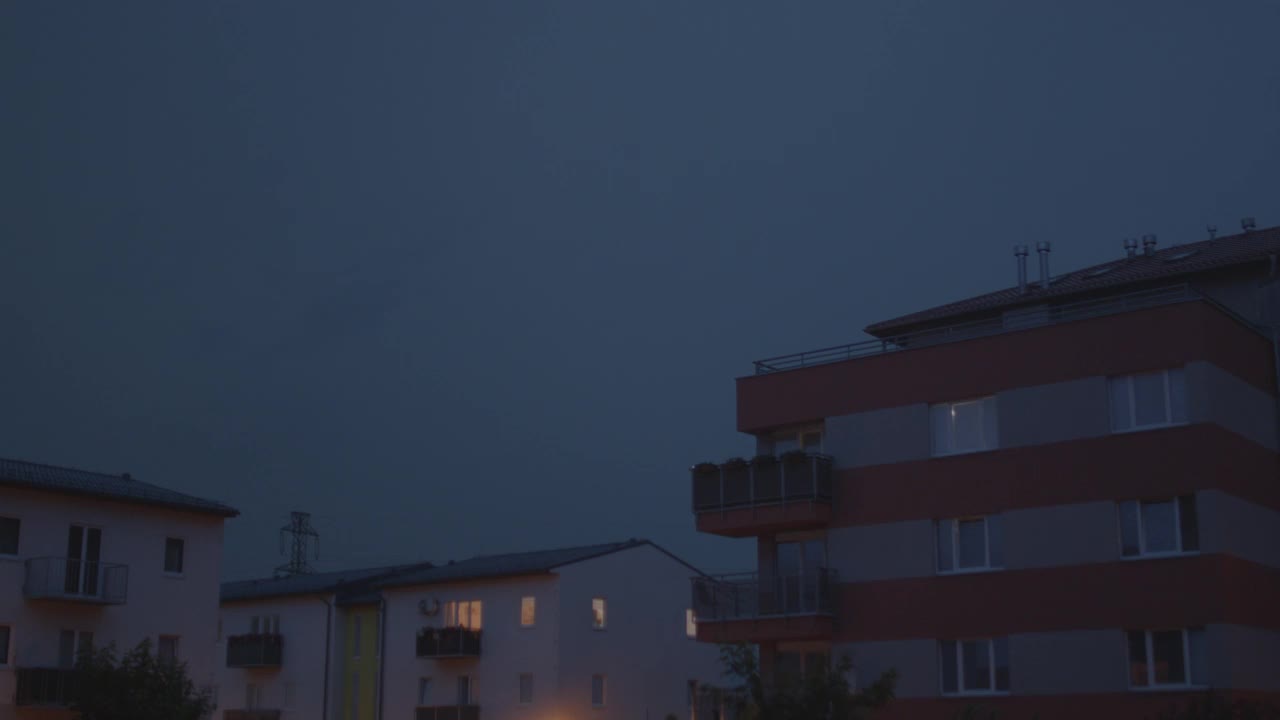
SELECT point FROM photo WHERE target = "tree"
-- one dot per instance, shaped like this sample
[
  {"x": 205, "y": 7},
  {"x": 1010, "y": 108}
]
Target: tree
[
  {"x": 138, "y": 686},
  {"x": 823, "y": 694}
]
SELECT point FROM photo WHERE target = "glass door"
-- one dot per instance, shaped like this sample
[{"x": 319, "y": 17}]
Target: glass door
[{"x": 84, "y": 547}]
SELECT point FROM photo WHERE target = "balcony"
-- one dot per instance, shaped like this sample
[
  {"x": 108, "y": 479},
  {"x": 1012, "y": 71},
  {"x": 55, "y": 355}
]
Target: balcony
[
  {"x": 45, "y": 687},
  {"x": 770, "y": 493},
  {"x": 251, "y": 714},
  {"x": 83, "y": 581},
  {"x": 449, "y": 642},
  {"x": 261, "y": 650},
  {"x": 447, "y": 712},
  {"x": 749, "y": 607}
]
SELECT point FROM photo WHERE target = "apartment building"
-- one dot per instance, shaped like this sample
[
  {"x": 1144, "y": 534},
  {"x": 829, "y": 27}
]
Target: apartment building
[
  {"x": 1056, "y": 500},
  {"x": 600, "y": 632},
  {"x": 90, "y": 559}
]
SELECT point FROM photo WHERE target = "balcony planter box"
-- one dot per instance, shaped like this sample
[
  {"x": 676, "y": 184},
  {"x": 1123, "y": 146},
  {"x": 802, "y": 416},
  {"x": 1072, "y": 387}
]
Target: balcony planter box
[
  {"x": 737, "y": 482},
  {"x": 766, "y": 478}
]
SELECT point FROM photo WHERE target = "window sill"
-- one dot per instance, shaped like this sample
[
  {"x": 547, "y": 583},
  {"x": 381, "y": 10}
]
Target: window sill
[
  {"x": 174, "y": 575},
  {"x": 1145, "y": 428},
  {"x": 1160, "y": 555},
  {"x": 977, "y": 693},
  {"x": 954, "y": 453},
  {"x": 969, "y": 571},
  {"x": 1169, "y": 688}
]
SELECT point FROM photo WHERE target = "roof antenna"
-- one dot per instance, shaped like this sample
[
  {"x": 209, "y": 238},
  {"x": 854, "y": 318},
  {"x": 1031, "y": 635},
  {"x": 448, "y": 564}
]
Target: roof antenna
[
  {"x": 1213, "y": 232},
  {"x": 1247, "y": 224},
  {"x": 300, "y": 528}
]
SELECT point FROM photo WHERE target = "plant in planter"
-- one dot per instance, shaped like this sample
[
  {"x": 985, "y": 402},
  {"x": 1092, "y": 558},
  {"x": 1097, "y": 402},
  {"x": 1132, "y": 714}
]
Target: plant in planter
[{"x": 706, "y": 468}]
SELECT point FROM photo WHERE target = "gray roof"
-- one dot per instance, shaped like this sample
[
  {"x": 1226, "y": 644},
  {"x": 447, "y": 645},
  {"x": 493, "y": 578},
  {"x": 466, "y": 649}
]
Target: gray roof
[
  {"x": 50, "y": 478},
  {"x": 350, "y": 584},
  {"x": 525, "y": 563}
]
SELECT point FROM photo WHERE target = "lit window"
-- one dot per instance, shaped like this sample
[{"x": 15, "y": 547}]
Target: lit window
[
  {"x": 598, "y": 613},
  {"x": 528, "y": 611},
  {"x": 167, "y": 649},
  {"x": 974, "y": 667},
  {"x": 174, "y": 550},
  {"x": 690, "y": 624},
  {"x": 970, "y": 544},
  {"x": 597, "y": 690},
  {"x": 963, "y": 427},
  {"x": 1167, "y": 658},
  {"x": 1159, "y": 527},
  {"x": 526, "y": 688},
  {"x": 9, "y": 529},
  {"x": 464, "y": 614},
  {"x": 1149, "y": 400}
]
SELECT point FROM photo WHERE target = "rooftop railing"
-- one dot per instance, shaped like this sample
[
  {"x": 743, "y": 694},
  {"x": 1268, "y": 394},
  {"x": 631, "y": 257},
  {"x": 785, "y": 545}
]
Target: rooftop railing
[
  {"x": 763, "y": 480},
  {"x": 59, "y": 578},
  {"x": 749, "y": 596},
  {"x": 1012, "y": 320}
]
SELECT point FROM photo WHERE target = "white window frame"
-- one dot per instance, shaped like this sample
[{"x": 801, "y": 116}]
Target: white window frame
[
  {"x": 17, "y": 519},
  {"x": 604, "y": 690},
  {"x": 1143, "y": 553},
  {"x": 424, "y": 691},
  {"x": 992, "y": 443},
  {"x": 604, "y": 613},
  {"x": 991, "y": 663},
  {"x": 165, "y": 561},
  {"x": 954, "y": 524},
  {"x": 795, "y": 436},
  {"x": 532, "y": 602},
  {"x": 690, "y": 624},
  {"x": 474, "y": 612},
  {"x": 1151, "y": 664},
  {"x": 1133, "y": 426},
  {"x": 520, "y": 689},
  {"x": 252, "y": 696}
]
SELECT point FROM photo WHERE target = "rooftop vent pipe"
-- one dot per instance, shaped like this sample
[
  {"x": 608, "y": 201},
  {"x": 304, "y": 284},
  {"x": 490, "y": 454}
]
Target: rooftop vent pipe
[
  {"x": 1247, "y": 224},
  {"x": 1043, "y": 248},
  {"x": 1213, "y": 231},
  {"x": 1020, "y": 252},
  {"x": 1148, "y": 245},
  {"x": 1131, "y": 247}
]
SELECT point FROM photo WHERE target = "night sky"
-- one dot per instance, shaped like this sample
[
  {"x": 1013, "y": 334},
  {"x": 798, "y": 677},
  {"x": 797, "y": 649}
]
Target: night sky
[{"x": 466, "y": 277}]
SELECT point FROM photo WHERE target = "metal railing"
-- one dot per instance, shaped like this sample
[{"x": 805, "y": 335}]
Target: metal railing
[
  {"x": 448, "y": 642},
  {"x": 746, "y": 596},
  {"x": 1014, "y": 320},
  {"x": 46, "y": 687},
  {"x": 254, "y": 714},
  {"x": 255, "y": 650},
  {"x": 764, "y": 480},
  {"x": 447, "y": 712},
  {"x": 59, "y": 578}
]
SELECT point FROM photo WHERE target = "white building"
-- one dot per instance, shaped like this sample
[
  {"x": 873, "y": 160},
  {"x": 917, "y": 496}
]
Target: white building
[
  {"x": 89, "y": 558},
  {"x": 601, "y": 632}
]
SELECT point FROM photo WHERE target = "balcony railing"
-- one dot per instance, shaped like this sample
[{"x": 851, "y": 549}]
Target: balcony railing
[
  {"x": 251, "y": 714},
  {"x": 1019, "y": 319},
  {"x": 747, "y": 596},
  {"x": 765, "y": 480},
  {"x": 46, "y": 687},
  {"x": 448, "y": 642},
  {"x": 59, "y": 578},
  {"x": 447, "y": 712},
  {"x": 255, "y": 650}
]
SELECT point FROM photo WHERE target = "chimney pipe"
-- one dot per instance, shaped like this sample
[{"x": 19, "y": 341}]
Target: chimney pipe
[
  {"x": 1020, "y": 252},
  {"x": 1043, "y": 248},
  {"x": 1131, "y": 247},
  {"x": 1247, "y": 224},
  {"x": 1148, "y": 245}
]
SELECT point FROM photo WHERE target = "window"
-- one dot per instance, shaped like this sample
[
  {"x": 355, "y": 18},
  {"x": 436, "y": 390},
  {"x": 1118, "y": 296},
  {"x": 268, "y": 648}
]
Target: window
[
  {"x": 963, "y": 427},
  {"x": 5, "y": 632},
  {"x": 974, "y": 666},
  {"x": 167, "y": 648},
  {"x": 466, "y": 690},
  {"x": 690, "y": 624},
  {"x": 1149, "y": 400},
  {"x": 9, "y": 529},
  {"x": 357, "y": 629},
  {"x": 966, "y": 544},
  {"x": 526, "y": 688},
  {"x": 219, "y": 629},
  {"x": 252, "y": 696},
  {"x": 598, "y": 613},
  {"x": 1163, "y": 658},
  {"x": 795, "y": 666},
  {"x": 71, "y": 644},
  {"x": 806, "y": 440},
  {"x": 424, "y": 691},
  {"x": 264, "y": 624},
  {"x": 174, "y": 549},
  {"x": 597, "y": 690},
  {"x": 528, "y": 611},
  {"x": 290, "y": 693},
  {"x": 1159, "y": 527},
  {"x": 465, "y": 614}
]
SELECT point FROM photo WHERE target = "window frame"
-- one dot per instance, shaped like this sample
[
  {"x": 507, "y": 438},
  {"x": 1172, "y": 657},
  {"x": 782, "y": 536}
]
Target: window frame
[
  {"x": 792, "y": 439},
  {"x": 520, "y": 696},
  {"x": 1133, "y": 426},
  {"x": 936, "y": 450},
  {"x": 604, "y": 613},
  {"x": 475, "y": 614},
  {"x": 954, "y": 523},
  {"x": 960, "y": 690},
  {"x": 1151, "y": 686},
  {"x": 690, "y": 624},
  {"x": 182, "y": 556},
  {"x": 17, "y": 549},
  {"x": 176, "y": 640},
  {"x": 604, "y": 690},
  {"x": 1179, "y": 540},
  {"x": 424, "y": 691}
]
